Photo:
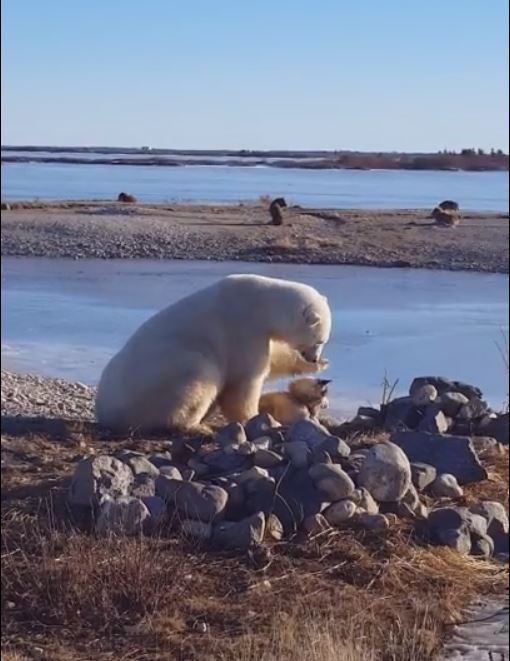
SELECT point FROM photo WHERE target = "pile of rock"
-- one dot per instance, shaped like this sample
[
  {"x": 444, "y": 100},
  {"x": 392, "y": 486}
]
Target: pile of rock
[{"x": 264, "y": 480}]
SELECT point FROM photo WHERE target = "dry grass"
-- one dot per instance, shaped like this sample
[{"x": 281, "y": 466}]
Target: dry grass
[{"x": 343, "y": 596}]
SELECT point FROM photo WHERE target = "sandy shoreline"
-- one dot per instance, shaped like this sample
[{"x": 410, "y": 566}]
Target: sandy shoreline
[{"x": 384, "y": 238}]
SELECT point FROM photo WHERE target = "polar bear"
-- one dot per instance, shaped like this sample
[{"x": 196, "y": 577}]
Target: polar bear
[{"x": 214, "y": 347}]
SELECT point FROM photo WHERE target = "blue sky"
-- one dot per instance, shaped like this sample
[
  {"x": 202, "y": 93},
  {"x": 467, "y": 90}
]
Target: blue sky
[{"x": 297, "y": 74}]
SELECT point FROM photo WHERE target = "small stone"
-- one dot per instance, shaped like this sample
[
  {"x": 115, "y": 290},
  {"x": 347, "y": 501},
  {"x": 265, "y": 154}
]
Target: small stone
[
  {"x": 340, "y": 512},
  {"x": 455, "y": 538},
  {"x": 364, "y": 501},
  {"x": 121, "y": 516},
  {"x": 443, "y": 385},
  {"x": 219, "y": 461},
  {"x": 170, "y": 472},
  {"x": 240, "y": 535},
  {"x": 386, "y": 472},
  {"x": 254, "y": 473},
  {"x": 267, "y": 459},
  {"x": 161, "y": 459},
  {"x": 496, "y": 516},
  {"x": 140, "y": 466},
  {"x": 232, "y": 434},
  {"x": 482, "y": 547},
  {"x": 411, "y": 497},
  {"x": 331, "y": 481},
  {"x": 452, "y": 402},
  {"x": 372, "y": 522},
  {"x": 298, "y": 453},
  {"x": 422, "y": 475},
  {"x": 262, "y": 443},
  {"x": 401, "y": 414},
  {"x": 260, "y": 425},
  {"x": 446, "y": 486},
  {"x": 259, "y": 495},
  {"x": 144, "y": 485},
  {"x": 315, "y": 524},
  {"x": 194, "y": 500},
  {"x": 274, "y": 528},
  {"x": 434, "y": 421},
  {"x": 310, "y": 432},
  {"x": 157, "y": 510},
  {"x": 198, "y": 530},
  {"x": 200, "y": 469},
  {"x": 97, "y": 477},
  {"x": 424, "y": 395},
  {"x": 486, "y": 446},
  {"x": 236, "y": 497},
  {"x": 497, "y": 427},
  {"x": 335, "y": 447}
]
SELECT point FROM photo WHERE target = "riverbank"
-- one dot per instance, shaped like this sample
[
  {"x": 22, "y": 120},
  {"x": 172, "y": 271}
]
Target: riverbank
[
  {"x": 357, "y": 594},
  {"x": 398, "y": 238}
]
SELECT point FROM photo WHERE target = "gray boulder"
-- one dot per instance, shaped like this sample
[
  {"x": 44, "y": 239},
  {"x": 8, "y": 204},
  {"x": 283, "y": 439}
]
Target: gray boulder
[
  {"x": 497, "y": 427},
  {"x": 197, "y": 501},
  {"x": 295, "y": 499},
  {"x": 298, "y": 452},
  {"x": 140, "y": 465},
  {"x": 267, "y": 458},
  {"x": 482, "y": 546},
  {"x": 496, "y": 516},
  {"x": 448, "y": 454},
  {"x": 170, "y": 472},
  {"x": 340, "y": 513},
  {"x": 331, "y": 481},
  {"x": 385, "y": 473},
  {"x": 144, "y": 486},
  {"x": 452, "y": 402},
  {"x": 401, "y": 414},
  {"x": 157, "y": 510},
  {"x": 125, "y": 515},
  {"x": 233, "y": 434},
  {"x": 422, "y": 475},
  {"x": 443, "y": 385},
  {"x": 196, "y": 530},
  {"x": 434, "y": 421},
  {"x": 261, "y": 425},
  {"x": 458, "y": 539},
  {"x": 372, "y": 522},
  {"x": 424, "y": 395},
  {"x": 240, "y": 535},
  {"x": 160, "y": 459},
  {"x": 310, "y": 432},
  {"x": 97, "y": 477},
  {"x": 364, "y": 501},
  {"x": 446, "y": 486},
  {"x": 219, "y": 461}
]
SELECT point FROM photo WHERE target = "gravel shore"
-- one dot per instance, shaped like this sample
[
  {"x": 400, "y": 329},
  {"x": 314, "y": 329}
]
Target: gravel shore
[{"x": 398, "y": 238}]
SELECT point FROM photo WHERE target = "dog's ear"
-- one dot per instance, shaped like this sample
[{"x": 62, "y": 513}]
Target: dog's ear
[{"x": 324, "y": 382}]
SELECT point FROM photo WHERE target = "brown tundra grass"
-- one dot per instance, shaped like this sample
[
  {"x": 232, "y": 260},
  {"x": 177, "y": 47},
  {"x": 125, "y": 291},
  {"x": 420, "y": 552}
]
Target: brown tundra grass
[{"x": 342, "y": 596}]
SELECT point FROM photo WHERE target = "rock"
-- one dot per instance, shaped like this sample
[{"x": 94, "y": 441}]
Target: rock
[
  {"x": 161, "y": 459},
  {"x": 295, "y": 499},
  {"x": 476, "y": 524},
  {"x": 308, "y": 431},
  {"x": 267, "y": 459},
  {"x": 331, "y": 481},
  {"x": 447, "y": 518},
  {"x": 315, "y": 524},
  {"x": 319, "y": 456},
  {"x": 400, "y": 510},
  {"x": 259, "y": 495},
  {"x": 452, "y": 402},
  {"x": 260, "y": 425},
  {"x": 194, "y": 500},
  {"x": 482, "y": 546},
  {"x": 496, "y": 516},
  {"x": 335, "y": 447},
  {"x": 370, "y": 412},
  {"x": 434, "y": 421},
  {"x": 497, "y": 427},
  {"x": 197, "y": 529},
  {"x": 144, "y": 486},
  {"x": 236, "y": 497},
  {"x": 475, "y": 409},
  {"x": 443, "y": 385},
  {"x": 298, "y": 452},
  {"x": 121, "y": 516},
  {"x": 411, "y": 497},
  {"x": 501, "y": 544},
  {"x": 446, "y": 486},
  {"x": 372, "y": 522},
  {"x": 274, "y": 528},
  {"x": 253, "y": 473},
  {"x": 157, "y": 510},
  {"x": 341, "y": 512},
  {"x": 424, "y": 395},
  {"x": 219, "y": 461},
  {"x": 141, "y": 466},
  {"x": 401, "y": 414},
  {"x": 364, "y": 501},
  {"x": 448, "y": 454},
  {"x": 486, "y": 446},
  {"x": 240, "y": 535},
  {"x": 97, "y": 477},
  {"x": 170, "y": 472},
  {"x": 455, "y": 538},
  {"x": 262, "y": 443},
  {"x": 422, "y": 475},
  {"x": 232, "y": 434},
  {"x": 200, "y": 469},
  {"x": 386, "y": 472}
]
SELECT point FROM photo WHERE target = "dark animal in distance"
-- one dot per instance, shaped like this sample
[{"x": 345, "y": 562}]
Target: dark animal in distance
[
  {"x": 275, "y": 210},
  {"x": 126, "y": 198}
]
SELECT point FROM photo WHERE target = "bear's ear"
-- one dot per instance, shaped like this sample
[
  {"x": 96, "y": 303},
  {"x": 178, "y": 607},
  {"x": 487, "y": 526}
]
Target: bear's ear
[{"x": 312, "y": 318}]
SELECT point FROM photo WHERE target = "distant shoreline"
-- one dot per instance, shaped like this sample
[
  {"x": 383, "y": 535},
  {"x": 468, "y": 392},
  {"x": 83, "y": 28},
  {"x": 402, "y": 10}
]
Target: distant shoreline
[
  {"x": 466, "y": 161},
  {"x": 383, "y": 238}
]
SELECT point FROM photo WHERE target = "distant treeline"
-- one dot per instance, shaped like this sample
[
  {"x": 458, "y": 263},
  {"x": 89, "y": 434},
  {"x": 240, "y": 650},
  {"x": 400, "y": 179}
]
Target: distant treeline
[{"x": 468, "y": 159}]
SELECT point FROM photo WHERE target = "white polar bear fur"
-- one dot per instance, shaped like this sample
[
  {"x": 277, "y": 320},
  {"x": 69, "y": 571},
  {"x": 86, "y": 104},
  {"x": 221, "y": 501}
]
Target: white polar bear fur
[{"x": 216, "y": 346}]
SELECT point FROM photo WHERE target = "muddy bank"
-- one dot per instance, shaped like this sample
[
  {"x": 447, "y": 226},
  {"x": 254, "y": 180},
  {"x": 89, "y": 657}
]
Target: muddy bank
[{"x": 403, "y": 238}]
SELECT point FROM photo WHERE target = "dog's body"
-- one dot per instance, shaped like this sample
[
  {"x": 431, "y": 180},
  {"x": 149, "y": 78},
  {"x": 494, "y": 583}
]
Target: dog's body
[{"x": 303, "y": 399}]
